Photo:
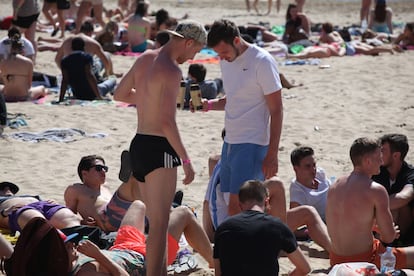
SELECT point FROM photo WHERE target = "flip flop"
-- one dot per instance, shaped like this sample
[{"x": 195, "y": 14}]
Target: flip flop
[{"x": 125, "y": 171}]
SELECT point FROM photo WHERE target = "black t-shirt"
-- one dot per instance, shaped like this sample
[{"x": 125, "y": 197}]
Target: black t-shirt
[
  {"x": 405, "y": 176},
  {"x": 75, "y": 64},
  {"x": 249, "y": 244}
]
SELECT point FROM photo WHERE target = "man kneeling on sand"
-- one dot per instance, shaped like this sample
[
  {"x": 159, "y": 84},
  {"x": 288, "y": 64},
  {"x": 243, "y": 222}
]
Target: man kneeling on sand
[{"x": 357, "y": 206}]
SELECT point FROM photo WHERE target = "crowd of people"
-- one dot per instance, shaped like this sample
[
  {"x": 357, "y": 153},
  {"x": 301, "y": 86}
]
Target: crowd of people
[{"x": 353, "y": 218}]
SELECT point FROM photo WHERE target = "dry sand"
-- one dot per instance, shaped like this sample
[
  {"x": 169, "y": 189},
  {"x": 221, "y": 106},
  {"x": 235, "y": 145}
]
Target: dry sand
[{"x": 357, "y": 96}]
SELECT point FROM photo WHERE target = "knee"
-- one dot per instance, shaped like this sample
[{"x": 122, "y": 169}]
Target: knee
[
  {"x": 138, "y": 205},
  {"x": 275, "y": 186}
]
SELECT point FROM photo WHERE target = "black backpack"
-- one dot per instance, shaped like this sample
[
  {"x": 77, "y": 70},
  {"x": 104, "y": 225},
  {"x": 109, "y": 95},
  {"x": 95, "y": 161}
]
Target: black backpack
[{"x": 39, "y": 251}]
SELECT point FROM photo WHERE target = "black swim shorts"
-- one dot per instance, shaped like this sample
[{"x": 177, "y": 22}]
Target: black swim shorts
[
  {"x": 25, "y": 21},
  {"x": 150, "y": 152}
]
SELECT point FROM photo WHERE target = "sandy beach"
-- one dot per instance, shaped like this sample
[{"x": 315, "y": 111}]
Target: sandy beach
[{"x": 356, "y": 96}]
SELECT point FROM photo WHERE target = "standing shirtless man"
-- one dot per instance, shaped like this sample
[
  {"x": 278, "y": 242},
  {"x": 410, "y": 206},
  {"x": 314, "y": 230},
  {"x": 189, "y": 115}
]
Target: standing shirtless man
[
  {"x": 152, "y": 84},
  {"x": 356, "y": 206}
]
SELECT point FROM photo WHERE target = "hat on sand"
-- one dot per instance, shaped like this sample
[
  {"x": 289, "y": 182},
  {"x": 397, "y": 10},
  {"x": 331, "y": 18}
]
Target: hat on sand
[
  {"x": 13, "y": 187},
  {"x": 192, "y": 30}
]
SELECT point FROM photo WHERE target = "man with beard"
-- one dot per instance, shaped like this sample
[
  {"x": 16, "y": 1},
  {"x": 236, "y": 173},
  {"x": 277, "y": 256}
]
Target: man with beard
[{"x": 397, "y": 176}]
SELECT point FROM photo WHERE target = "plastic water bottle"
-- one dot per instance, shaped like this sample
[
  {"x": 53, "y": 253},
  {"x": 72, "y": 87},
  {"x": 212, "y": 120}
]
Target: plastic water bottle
[
  {"x": 387, "y": 261},
  {"x": 259, "y": 38}
]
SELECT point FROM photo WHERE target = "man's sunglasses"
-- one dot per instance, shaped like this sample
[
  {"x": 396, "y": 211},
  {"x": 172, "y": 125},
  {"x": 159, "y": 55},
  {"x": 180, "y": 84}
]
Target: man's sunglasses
[{"x": 100, "y": 168}]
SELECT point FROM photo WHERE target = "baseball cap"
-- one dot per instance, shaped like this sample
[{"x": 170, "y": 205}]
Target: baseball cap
[
  {"x": 67, "y": 238},
  {"x": 13, "y": 187},
  {"x": 191, "y": 29}
]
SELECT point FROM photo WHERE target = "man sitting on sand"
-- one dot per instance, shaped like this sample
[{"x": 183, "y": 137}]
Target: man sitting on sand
[
  {"x": 357, "y": 206},
  {"x": 397, "y": 176},
  {"x": 17, "y": 72},
  {"x": 16, "y": 211},
  {"x": 257, "y": 235},
  {"x": 77, "y": 72},
  {"x": 91, "y": 46},
  {"x": 93, "y": 200}
]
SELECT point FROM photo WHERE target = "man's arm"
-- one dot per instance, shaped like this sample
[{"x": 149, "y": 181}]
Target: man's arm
[
  {"x": 402, "y": 198},
  {"x": 90, "y": 249},
  {"x": 64, "y": 84},
  {"x": 302, "y": 266},
  {"x": 383, "y": 215},
  {"x": 217, "y": 268},
  {"x": 270, "y": 163},
  {"x": 124, "y": 92},
  {"x": 59, "y": 56},
  {"x": 215, "y": 104},
  {"x": 99, "y": 52},
  {"x": 169, "y": 125}
]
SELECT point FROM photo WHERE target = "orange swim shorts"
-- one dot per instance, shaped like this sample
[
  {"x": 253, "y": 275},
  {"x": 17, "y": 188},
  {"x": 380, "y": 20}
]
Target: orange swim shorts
[{"x": 372, "y": 256}]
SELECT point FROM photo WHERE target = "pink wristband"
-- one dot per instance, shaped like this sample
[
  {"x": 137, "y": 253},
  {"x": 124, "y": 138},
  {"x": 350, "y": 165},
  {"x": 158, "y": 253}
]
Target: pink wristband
[
  {"x": 186, "y": 161},
  {"x": 210, "y": 105}
]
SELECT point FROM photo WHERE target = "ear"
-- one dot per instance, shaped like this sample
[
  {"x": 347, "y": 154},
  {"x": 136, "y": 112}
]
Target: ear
[
  {"x": 396, "y": 155},
  {"x": 236, "y": 40},
  {"x": 189, "y": 43}
]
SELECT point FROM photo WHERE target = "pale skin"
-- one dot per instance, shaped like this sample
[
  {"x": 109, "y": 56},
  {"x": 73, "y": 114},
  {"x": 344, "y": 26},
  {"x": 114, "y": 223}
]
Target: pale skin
[
  {"x": 16, "y": 72},
  {"x": 89, "y": 198},
  {"x": 356, "y": 205},
  {"x": 30, "y": 32},
  {"x": 84, "y": 10},
  {"x": 136, "y": 24},
  {"x": 91, "y": 46},
  {"x": 274, "y": 103},
  {"x": 388, "y": 19},
  {"x": 61, "y": 219},
  {"x": 302, "y": 266},
  {"x": 153, "y": 84}
]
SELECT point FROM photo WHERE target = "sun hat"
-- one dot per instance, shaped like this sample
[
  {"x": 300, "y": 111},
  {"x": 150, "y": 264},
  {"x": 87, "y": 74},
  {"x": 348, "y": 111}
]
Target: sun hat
[
  {"x": 192, "y": 30},
  {"x": 13, "y": 187}
]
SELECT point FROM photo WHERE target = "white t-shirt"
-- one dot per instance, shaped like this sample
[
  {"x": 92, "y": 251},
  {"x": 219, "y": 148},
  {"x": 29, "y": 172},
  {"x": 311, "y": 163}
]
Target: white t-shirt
[
  {"x": 5, "y": 47},
  {"x": 246, "y": 81},
  {"x": 313, "y": 197}
]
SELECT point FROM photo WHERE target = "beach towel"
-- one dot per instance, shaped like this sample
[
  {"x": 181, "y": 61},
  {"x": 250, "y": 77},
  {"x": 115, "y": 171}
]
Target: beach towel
[
  {"x": 16, "y": 120},
  {"x": 65, "y": 135},
  {"x": 311, "y": 61}
]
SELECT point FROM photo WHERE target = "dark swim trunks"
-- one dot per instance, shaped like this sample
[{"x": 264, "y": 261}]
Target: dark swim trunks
[
  {"x": 25, "y": 21},
  {"x": 116, "y": 209},
  {"x": 46, "y": 208},
  {"x": 150, "y": 152}
]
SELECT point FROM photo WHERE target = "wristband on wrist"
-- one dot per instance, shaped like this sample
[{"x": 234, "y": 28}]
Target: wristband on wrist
[
  {"x": 210, "y": 105},
  {"x": 186, "y": 161}
]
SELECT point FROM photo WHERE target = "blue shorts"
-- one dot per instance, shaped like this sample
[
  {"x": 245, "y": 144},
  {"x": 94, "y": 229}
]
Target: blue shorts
[
  {"x": 140, "y": 48},
  {"x": 239, "y": 163},
  {"x": 116, "y": 209}
]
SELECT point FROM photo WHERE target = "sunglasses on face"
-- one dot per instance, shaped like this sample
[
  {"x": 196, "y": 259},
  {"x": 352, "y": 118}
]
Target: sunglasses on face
[{"x": 100, "y": 168}]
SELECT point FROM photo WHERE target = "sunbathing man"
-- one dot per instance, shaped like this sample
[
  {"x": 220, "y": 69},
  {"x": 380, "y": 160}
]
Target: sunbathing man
[
  {"x": 356, "y": 206},
  {"x": 16, "y": 211},
  {"x": 17, "y": 72},
  {"x": 93, "y": 200}
]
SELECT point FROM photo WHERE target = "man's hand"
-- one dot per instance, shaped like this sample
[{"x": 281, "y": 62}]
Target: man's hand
[
  {"x": 189, "y": 173},
  {"x": 270, "y": 165},
  {"x": 88, "y": 248}
]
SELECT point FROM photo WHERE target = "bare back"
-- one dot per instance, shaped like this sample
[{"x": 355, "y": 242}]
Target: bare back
[
  {"x": 354, "y": 204},
  {"x": 139, "y": 29},
  {"x": 16, "y": 73},
  {"x": 156, "y": 79}
]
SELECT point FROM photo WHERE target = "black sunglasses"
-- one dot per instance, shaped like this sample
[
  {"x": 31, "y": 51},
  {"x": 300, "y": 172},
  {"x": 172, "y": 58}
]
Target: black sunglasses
[{"x": 100, "y": 168}]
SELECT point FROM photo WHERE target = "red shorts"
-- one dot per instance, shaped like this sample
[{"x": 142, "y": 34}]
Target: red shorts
[
  {"x": 129, "y": 237},
  {"x": 372, "y": 256}
]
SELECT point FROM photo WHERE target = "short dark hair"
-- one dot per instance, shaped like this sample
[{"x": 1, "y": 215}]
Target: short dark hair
[
  {"x": 397, "y": 142},
  {"x": 222, "y": 30},
  {"x": 198, "y": 71},
  {"x": 88, "y": 162},
  {"x": 13, "y": 32},
  {"x": 253, "y": 190},
  {"x": 142, "y": 8},
  {"x": 361, "y": 147},
  {"x": 327, "y": 27},
  {"x": 87, "y": 27},
  {"x": 299, "y": 153},
  {"x": 410, "y": 26},
  {"x": 78, "y": 44},
  {"x": 162, "y": 37}
]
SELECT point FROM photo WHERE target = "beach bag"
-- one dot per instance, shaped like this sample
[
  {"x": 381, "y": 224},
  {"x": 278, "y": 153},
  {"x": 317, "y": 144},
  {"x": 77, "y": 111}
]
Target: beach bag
[{"x": 39, "y": 250}]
